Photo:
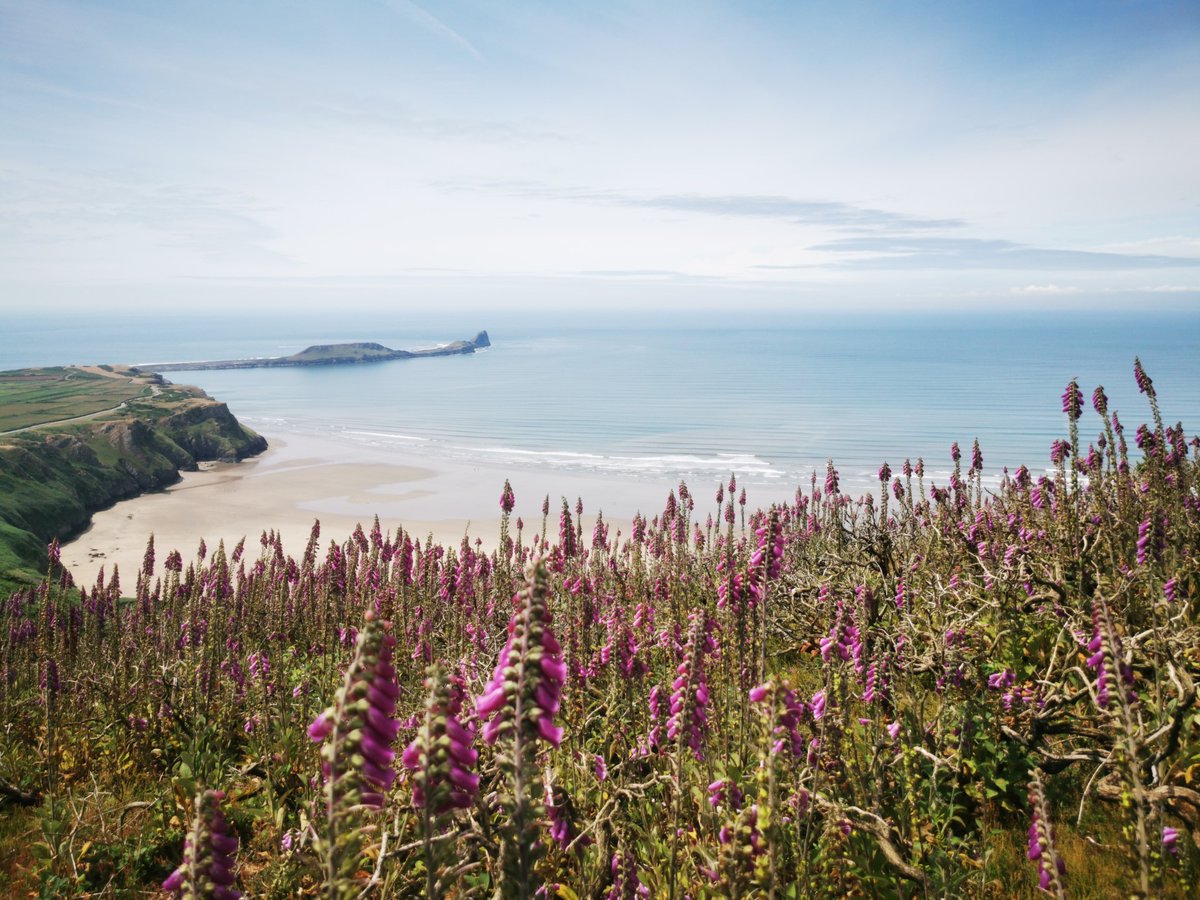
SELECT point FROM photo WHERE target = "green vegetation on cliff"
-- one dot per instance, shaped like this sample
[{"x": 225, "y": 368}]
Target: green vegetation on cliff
[
  {"x": 30, "y": 397},
  {"x": 59, "y": 469}
]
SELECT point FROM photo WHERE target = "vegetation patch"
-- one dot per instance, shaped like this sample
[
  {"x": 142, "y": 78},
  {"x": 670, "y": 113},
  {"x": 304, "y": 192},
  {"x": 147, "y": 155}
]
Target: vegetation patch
[
  {"x": 30, "y": 397},
  {"x": 53, "y": 478},
  {"x": 932, "y": 690}
]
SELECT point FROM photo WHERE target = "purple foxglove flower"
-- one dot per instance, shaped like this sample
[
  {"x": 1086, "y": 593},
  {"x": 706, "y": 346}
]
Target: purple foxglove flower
[
  {"x": 529, "y": 673},
  {"x": 208, "y": 854},
  {"x": 625, "y": 882},
  {"x": 999, "y": 681},
  {"x": 1041, "y": 847},
  {"x": 1072, "y": 401},
  {"x": 690, "y": 698},
  {"x": 441, "y": 756},
  {"x": 1145, "y": 385},
  {"x": 817, "y": 704},
  {"x": 831, "y": 479},
  {"x": 359, "y": 728},
  {"x": 1170, "y": 838}
]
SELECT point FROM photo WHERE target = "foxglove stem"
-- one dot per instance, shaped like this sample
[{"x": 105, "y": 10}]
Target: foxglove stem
[
  {"x": 358, "y": 731},
  {"x": 441, "y": 758},
  {"x": 208, "y": 855},
  {"x": 1115, "y": 682},
  {"x": 689, "y": 701},
  {"x": 518, "y": 707},
  {"x": 1041, "y": 841}
]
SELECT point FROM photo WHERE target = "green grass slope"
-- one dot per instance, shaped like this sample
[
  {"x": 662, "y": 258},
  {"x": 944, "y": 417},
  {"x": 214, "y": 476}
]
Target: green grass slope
[{"x": 53, "y": 479}]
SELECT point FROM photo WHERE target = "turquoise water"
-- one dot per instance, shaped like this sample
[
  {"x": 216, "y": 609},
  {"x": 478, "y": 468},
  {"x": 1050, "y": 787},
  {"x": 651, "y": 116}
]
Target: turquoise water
[{"x": 664, "y": 398}]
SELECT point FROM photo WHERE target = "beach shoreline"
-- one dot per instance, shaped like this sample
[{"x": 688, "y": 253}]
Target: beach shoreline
[{"x": 302, "y": 478}]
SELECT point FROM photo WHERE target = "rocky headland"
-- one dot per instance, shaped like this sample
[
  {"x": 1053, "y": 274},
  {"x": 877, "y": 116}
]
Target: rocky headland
[
  {"x": 54, "y": 476},
  {"x": 328, "y": 355}
]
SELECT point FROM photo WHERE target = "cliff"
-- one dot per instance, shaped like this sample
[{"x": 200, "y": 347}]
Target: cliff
[{"x": 52, "y": 479}]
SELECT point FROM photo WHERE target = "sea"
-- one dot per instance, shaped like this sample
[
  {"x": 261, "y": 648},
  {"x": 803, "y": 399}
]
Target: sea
[{"x": 769, "y": 398}]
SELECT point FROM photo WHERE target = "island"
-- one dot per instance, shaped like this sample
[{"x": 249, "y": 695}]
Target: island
[{"x": 327, "y": 355}]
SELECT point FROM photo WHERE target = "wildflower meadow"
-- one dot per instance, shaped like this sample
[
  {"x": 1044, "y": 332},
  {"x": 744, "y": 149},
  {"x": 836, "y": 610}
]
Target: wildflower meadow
[{"x": 931, "y": 690}]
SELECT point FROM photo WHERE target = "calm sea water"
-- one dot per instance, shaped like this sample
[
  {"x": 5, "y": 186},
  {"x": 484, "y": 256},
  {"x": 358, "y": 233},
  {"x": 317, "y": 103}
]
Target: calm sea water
[{"x": 771, "y": 400}]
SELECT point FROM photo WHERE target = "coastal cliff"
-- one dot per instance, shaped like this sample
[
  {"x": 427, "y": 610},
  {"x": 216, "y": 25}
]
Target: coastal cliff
[
  {"x": 328, "y": 355},
  {"x": 77, "y": 439},
  {"x": 53, "y": 479}
]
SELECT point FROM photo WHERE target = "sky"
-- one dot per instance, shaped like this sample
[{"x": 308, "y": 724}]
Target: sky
[{"x": 283, "y": 154}]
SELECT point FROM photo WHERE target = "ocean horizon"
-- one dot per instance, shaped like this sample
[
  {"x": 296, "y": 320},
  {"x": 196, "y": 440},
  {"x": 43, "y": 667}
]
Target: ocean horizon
[{"x": 658, "y": 398}]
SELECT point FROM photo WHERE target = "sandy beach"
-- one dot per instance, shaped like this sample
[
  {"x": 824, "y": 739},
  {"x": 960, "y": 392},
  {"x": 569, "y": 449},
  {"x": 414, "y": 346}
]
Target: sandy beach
[{"x": 302, "y": 478}]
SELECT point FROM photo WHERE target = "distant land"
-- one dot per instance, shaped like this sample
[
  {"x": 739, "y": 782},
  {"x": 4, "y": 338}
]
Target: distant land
[
  {"x": 328, "y": 355},
  {"x": 76, "y": 439}
]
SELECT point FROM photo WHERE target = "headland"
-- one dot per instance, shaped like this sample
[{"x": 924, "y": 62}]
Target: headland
[{"x": 328, "y": 355}]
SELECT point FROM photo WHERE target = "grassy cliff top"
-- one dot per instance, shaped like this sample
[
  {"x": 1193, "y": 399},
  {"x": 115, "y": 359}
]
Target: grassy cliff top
[
  {"x": 36, "y": 397},
  {"x": 74, "y": 440}
]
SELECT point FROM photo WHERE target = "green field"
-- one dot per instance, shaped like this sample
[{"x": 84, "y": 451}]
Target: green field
[{"x": 37, "y": 396}]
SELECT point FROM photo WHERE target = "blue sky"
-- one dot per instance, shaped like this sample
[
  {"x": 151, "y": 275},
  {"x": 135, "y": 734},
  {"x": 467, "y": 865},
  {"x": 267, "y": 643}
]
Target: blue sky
[{"x": 769, "y": 154}]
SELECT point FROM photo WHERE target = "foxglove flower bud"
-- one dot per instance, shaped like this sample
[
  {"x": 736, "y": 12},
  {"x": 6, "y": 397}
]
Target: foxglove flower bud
[
  {"x": 360, "y": 727},
  {"x": 507, "y": 498},
  {"x": 1041, "y": 842},
  {"x": 208, "y": 854},
  {"x": 441, "y": 756},
  {"x": 625, "y": 882},
  {"x": 689, "y": 700},
  {"x": 1072, "y": 401},
  {"x": 526, "y": 685},
  {"x": 358, "y": 731},
  {"x": 1145, "y": 385}
]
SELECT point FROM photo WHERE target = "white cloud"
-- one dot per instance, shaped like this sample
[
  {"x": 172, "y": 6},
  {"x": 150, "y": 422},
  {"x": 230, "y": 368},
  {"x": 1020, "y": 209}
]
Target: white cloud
[{"x": 1055, "y": 289}]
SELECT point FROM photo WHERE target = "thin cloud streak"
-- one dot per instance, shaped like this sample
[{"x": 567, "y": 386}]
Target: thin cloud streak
[
  {"x": 829, "y": 213},
  {"x": 433, "y": 24},
  {"x": 888, "y": 253}
]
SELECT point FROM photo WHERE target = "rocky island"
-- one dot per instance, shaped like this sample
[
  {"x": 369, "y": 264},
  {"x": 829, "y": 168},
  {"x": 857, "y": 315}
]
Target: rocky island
[{"x": 328, "y": 355}]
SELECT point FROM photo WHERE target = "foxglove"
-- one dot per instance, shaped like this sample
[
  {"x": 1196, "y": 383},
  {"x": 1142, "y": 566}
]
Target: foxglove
[{"x": 208, "y": 854}]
